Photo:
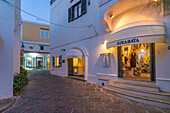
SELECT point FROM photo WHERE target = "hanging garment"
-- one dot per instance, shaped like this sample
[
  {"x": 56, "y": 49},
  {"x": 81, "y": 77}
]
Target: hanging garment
[{"x": 133, "y": 60}]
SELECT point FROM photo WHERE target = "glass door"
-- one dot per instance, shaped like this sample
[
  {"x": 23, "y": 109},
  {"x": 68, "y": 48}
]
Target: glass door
[{"x": 39, "y": 63}]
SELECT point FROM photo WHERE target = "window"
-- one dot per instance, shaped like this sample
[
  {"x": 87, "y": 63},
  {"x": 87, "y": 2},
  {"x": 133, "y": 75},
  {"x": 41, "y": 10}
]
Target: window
[
  {"x": 56, "y": 61},
  {"x": 77, "y": 10},
  {"x": 44, "y": 34},
  {"x": 106, "y": 60},
  {"x": 41, "y": 47},
  {"x": 60, "y": 61},
  {"x": 78, "y": 62}
]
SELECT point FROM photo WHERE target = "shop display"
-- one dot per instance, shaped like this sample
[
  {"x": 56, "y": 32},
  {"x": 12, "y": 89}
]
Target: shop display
[{"x": 136, "y": 60}]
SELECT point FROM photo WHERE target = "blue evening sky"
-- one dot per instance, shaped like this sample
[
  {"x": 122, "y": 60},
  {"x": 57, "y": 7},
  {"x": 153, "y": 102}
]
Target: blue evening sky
[{"x": 40, "y": 8}]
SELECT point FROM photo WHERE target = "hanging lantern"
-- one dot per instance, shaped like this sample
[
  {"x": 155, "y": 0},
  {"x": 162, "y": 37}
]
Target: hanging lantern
[{"x": 142, "y": 48}]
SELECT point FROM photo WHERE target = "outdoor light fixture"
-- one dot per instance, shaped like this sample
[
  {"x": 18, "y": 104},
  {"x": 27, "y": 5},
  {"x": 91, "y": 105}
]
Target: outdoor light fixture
[
  {"x": 155, "y": 1},
  {"x": 105, "y": 44},
  {"x": 112, "y": 16},
  {"x": 142, "y": 48}
]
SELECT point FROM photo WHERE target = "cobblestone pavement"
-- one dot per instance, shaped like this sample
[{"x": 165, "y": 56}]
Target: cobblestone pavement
[{"x": 47, "y": 93}]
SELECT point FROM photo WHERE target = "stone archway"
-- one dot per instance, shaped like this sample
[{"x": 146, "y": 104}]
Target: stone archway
[{"x": 85, "y": 55}]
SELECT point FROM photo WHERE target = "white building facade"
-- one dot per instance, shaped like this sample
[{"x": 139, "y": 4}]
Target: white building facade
[
  {"x": 111, "y": 39},
  {"x": 9, "y": 45}
]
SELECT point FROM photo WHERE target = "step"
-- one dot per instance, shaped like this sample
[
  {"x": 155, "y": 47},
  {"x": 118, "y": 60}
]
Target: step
[
  {"x": 137, "y": 86},
  {"x": 103, "y": 81},
  {"x": 77, "y": 78},
  {"x": 138, "y": 82},
  {"x": 149, "y": 94},
  {"x": 144, "y": 100}
]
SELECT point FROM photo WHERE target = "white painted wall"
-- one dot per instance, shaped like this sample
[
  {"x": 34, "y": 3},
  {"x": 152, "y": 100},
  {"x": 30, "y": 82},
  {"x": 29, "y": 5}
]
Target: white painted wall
[
  {"x": 8, "y": 55},
  {"x": 17, "y": 37},
  {"x": 63, "y": 38},
  {"x": 60, "y": 37},
  {"x": 36, "y": 46}
]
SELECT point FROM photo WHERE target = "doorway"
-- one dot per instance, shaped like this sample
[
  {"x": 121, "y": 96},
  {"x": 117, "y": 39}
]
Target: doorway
[
  {"x": 70, "y": 66},
  {"x": 136, "y": 62},
  {"x": 39, "y": 63},
  {"x": 76, "y": 67}
]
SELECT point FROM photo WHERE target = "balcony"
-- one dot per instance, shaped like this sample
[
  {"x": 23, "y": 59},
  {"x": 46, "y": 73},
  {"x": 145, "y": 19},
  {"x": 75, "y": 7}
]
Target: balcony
[{"x": 52, "y": 1}]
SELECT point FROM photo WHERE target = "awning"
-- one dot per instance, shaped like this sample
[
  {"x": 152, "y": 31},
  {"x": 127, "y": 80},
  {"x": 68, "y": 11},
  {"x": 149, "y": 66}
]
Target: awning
[
  {"x": 137, "y": 35},
  {"x": 74, "y": 53}
]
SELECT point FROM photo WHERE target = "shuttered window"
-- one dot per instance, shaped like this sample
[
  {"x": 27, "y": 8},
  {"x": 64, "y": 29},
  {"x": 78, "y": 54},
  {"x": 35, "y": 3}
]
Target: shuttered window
[
  {"x": 70, "y": 17},
  {"x": 44, "y": 34},
  {"x": 83, "y": 7},
  {"x": 77, "y": 10},
  {"x": 53, "y": 61}
]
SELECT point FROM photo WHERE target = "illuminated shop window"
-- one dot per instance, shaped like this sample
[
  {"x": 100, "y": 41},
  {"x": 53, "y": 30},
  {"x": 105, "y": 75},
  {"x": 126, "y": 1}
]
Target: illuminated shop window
[
  {"x": 75, "y": 70},
  {"x": 56, "y": 61},
  {"x": 78, "y": 62}
]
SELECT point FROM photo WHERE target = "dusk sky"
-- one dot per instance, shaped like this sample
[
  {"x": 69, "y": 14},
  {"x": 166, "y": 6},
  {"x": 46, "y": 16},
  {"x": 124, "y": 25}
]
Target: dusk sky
[{"x": 40, "y": 8}]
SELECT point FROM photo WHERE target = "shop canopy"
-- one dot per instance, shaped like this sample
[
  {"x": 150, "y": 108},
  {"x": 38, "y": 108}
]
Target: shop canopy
[
  {"x": 74, "y": 53},
  {"x": 137, "y": 35}
]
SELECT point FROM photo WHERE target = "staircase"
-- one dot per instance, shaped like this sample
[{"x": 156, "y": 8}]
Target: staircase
[{"x": 139, "y": 91}]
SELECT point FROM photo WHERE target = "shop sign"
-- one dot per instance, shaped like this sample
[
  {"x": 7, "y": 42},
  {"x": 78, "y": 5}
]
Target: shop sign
[{"x": 130, "y": 41}]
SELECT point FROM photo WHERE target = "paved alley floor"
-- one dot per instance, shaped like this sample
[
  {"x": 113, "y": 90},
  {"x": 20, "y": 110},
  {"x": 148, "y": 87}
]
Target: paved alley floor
[{"x": 47, "y": 93}]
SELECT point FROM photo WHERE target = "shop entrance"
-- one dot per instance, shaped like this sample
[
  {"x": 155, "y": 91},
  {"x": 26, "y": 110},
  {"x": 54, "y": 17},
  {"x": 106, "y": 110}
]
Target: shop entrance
[
  {"x": 39, "y": 63},
  {"x": 136, "y": 62},
  {"x": 76, "y": 67}
]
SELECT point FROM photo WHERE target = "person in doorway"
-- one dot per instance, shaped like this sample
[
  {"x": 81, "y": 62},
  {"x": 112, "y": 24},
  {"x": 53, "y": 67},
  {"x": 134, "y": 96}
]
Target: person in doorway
[{"x": 133, "y": 58}]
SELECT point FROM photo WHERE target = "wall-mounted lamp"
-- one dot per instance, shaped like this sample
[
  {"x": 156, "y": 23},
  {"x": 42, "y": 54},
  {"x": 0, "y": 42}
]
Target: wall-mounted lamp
[
  {"x": 112, "y": 16},
  {"x": 155, "y": 1},
  {"x": 105, "y": 44}
]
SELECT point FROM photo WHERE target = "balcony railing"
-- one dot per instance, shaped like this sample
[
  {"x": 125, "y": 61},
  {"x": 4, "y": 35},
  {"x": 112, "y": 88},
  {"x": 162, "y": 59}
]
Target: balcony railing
[
  {"x": 102, "y": 2},
  {"x": 52, "y": 1}
]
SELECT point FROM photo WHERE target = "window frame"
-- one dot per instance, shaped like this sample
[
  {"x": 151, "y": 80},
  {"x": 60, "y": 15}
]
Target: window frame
[
  {"x": 41, "y": 48},
  {"x": 106, "y": 64},
  {"x": 44, "y": 37},
  {"x": 83, "y": 8}
]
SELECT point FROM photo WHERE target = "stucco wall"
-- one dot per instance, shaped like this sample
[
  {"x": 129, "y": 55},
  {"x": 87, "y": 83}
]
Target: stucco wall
[
  {"x": 17, "y": 37},
  {"x": 7, "y": 51},
  {"x": 31, "y": 32},
  {"x": 60, "y": 37}
]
